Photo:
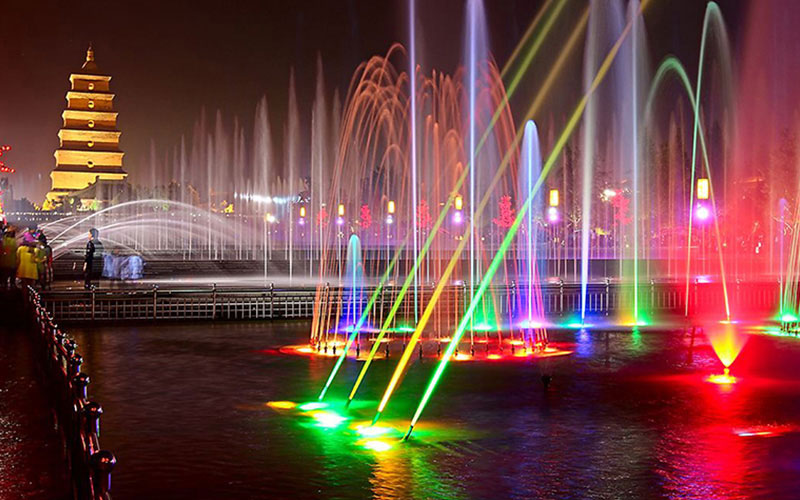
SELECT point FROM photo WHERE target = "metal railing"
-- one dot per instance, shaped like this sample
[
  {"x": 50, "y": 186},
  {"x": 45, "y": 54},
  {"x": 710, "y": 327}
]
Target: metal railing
[
  {"x": 78, "y": 417},
  {"x": 558, "y": 300}
]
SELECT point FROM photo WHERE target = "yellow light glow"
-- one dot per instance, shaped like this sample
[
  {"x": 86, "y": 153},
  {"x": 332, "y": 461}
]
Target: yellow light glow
[
  {"x": 390, "y": 207},
  {"x": 376, "y": 445},
  {"x": 702, "y": 189},
  {"x": 281, "y": 405},
  {"x": 459, "y": 203},
  {"x": 725, "y": 379},
  {"x": 554, "y": 197},
  {"x": 341, "y": 210},
  {"x": 302, "y": 211}
]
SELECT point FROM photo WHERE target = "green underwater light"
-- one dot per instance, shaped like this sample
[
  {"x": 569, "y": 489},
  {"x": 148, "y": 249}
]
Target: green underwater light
[
  {"x": 328, "y": 419},
  {"x": 312, "y": 406}
]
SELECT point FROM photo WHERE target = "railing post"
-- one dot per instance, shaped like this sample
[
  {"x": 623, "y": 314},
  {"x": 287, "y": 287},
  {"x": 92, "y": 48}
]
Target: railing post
[
  {"x": 92, "y": 410},
  {"x": 272, "y": 300},
  {"x": 561, "y": 296},
  {"x": 93, "y": 301},
  {"x": 102, "y": 463},
  {"x": 652, "y": 294},
  {"x": 155, "y": 302},
  {"x": 213, "y": 301},
  {"x": 80, "y": 383}
]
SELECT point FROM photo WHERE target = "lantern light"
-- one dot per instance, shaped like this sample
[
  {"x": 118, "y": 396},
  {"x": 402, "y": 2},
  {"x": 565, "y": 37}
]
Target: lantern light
[
  {"x": 390, "y": 207},
  {"x": 302, "y": 211},
  {"x": 702, "y": 189},
  {"x": 554, "y": 197},
  {"x": 459, "y": 202},
  {"x": 341, "y": 210}
]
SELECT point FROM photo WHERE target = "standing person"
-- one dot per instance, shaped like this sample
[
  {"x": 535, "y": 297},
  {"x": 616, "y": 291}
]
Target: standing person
[
  {"x": 31, "y": 236},
  {"x": 46, "y": 263},
  {"x": 27, "y": 271},
  {"x": 93, "y": 259},
  {"x": 8, "y": 259}
]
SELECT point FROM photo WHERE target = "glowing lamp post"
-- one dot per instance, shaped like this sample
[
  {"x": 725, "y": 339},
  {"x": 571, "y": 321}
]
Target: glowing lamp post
[
  {"x": 458, "y": 215},
  {"x": 552, "y": 210},
  {"x": 302, "y": 220},
  {"x": 340, "y": 219},
  {"x": 390, "y": 209}
]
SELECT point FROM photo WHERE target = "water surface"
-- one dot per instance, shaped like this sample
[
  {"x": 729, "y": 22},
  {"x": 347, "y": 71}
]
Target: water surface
[{"x": 628, "y": 415}]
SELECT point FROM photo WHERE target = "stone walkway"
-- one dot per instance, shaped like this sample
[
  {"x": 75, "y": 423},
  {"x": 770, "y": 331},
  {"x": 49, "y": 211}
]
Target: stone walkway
[{"x": 31, "y": 463}]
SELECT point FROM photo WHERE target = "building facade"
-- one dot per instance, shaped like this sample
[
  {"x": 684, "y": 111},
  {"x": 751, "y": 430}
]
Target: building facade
[{"x": 89, "y": 138}]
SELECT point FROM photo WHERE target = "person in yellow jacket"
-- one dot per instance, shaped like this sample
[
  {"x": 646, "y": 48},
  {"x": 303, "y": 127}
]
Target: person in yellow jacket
[
  {"x": 27, "y": 267},
  {"x": 8, "y": 259}
]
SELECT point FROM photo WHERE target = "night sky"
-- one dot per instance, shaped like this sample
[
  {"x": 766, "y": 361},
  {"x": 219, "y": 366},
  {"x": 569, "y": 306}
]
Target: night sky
[{"x": 170, "y": 59}]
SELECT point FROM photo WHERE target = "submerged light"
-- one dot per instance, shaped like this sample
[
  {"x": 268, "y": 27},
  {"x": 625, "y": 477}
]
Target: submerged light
[
  {"x": 373, "y": 430},
  {"x": 376, "y": 445},
  {"x": 328, "y": 419},
  {"x": 313, "y": 406},
  {"x": 281, "y": 405},
  {"x": 725, "y": 379}
]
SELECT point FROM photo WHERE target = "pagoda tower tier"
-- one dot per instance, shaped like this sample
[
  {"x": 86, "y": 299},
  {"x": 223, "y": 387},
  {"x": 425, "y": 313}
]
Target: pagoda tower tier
[{"x": 89, "y": 139}]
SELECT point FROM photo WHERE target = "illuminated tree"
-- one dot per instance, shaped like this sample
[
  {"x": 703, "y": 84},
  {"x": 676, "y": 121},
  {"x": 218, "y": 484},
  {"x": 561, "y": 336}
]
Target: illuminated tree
[
  {"x": 621, "y": 212},
  {"x": 322, "y": 216},
  {"x": 424, "y": 219},
  {"x": 507, "y": 213},
  {"x": 366, "y": 217}
]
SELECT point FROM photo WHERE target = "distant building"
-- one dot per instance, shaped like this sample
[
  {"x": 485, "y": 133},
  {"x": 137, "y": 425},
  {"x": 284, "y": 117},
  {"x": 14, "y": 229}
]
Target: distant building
[{"x": 89, "y": 140}]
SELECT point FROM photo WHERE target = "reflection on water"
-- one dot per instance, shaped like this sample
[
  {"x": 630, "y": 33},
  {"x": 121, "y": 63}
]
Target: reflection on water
[{"x": 627, "y": 415}]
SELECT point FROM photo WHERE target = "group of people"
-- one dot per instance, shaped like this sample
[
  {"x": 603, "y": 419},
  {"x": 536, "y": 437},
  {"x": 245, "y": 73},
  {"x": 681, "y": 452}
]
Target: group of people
[{"x": 28, "y": 259}]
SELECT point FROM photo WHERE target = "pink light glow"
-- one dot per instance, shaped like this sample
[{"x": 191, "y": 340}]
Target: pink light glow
[
  {"x": 702, "y": 213},
  {"x": 552, "y": 214}
]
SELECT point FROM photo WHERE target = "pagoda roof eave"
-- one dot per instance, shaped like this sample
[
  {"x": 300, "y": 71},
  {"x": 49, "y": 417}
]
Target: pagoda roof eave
[{"x": 89, "y": 76}]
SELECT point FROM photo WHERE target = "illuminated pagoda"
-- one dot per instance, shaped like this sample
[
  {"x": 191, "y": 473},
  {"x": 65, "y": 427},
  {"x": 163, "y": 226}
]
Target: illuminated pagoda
[{"x": 88, "y": 150}]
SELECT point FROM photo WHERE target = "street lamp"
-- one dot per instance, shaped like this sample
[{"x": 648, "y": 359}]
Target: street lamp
[
  {"x": 340, "y": 219},
  {"x": 302, "y": 220}
]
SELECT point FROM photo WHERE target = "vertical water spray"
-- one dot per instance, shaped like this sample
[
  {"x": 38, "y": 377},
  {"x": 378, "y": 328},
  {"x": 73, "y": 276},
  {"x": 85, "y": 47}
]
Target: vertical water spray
[
  {"x": 412, "y": 105},
  {"x": 353, "y": 284},
  {"x": 633, "y": 14},
  {"x": 530, "y": 172},
  {"x": 471, "y": 20},
  {"x": 588, "y": 144}
]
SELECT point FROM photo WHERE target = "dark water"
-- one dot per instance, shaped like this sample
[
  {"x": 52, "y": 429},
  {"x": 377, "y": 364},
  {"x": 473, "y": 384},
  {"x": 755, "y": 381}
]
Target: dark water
[
  {"x": 627, "y": 416},
  {"x": 31, "y": 451}
]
